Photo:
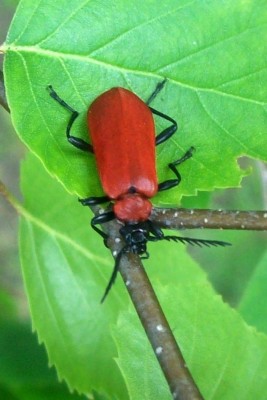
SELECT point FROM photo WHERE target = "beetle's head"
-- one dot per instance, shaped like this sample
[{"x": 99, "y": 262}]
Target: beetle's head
[{"x": 136, "y": 237}]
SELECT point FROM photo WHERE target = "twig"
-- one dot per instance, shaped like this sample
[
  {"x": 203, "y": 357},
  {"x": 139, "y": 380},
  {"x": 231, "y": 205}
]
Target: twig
[
  {"x": 170, "y": 358},
  {"x": 181, "y": 218},
  {"x": 3, "y": 100}
]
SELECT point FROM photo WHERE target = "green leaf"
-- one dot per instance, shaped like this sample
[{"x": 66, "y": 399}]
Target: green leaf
[
  {"x": 253, "y": 303},
  {"x": 138, "y": 365},
  {"x": 231, "y": 274},
  {"x": 209, "y": 51},
  {"x": 227, "y": 358},
  {"x": 65, "y": 281}
]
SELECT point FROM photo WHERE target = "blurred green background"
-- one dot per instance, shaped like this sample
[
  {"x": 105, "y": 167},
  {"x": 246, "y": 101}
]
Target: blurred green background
[{"x": 11, "y": 152}]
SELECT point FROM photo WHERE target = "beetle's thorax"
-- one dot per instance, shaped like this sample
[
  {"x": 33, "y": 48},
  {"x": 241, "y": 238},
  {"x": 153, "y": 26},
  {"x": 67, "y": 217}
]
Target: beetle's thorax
[{"x": 132, "y": 207}]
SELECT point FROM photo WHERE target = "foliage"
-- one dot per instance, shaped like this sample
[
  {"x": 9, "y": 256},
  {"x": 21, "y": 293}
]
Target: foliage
[{"x": 215, "y": 65}]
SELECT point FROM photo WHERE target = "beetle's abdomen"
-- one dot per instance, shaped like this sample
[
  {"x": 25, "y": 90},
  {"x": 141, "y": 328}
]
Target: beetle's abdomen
[{"x": 122, "y": 132}]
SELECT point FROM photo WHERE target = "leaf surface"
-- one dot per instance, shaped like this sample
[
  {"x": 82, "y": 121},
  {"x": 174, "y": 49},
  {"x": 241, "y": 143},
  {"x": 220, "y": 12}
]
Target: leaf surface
[
  {"x": 210, "y": 53},
  {"x": 65, "y": 281}
]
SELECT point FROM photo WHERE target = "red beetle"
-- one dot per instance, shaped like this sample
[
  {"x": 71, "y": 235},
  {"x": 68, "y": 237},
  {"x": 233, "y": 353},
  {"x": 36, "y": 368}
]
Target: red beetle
[{"x": 123, "y": 139}]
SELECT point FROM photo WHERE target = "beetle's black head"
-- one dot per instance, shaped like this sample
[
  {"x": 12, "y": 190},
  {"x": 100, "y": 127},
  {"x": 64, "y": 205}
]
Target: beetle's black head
[{"x": 136, "y": 237}]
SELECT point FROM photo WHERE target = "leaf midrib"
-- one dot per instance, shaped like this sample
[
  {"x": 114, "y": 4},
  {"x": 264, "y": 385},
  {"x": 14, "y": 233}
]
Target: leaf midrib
[{"x": 60, "y": 55}]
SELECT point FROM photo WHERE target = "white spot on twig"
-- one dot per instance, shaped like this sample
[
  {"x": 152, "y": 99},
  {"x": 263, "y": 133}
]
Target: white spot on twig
[
  {"x": 160, "y": 328},
  {"x": 159, "y": 350}
]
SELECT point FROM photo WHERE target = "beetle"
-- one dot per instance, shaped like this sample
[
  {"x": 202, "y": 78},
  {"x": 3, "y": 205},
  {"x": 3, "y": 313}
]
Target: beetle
[{"x": 122, "y": 132}]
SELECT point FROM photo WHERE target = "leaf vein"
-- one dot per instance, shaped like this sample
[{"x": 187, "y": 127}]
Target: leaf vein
[
  {"x": 203, "y": 49},
  {"x": 212, "y": 117},
  {"x": 34, "y": 9},
  {"x": 153, "y": 75},
  {"x": 240, "y": 78},
  {"x": 58, "y": 27},
  {"x": 136, "y": 27}
]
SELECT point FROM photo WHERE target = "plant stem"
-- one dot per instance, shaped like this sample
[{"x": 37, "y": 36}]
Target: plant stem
[
  {"x": 167, "y": 351},
  {"x": 180, "y": 218},
  {"x": 159, "y": 333}
]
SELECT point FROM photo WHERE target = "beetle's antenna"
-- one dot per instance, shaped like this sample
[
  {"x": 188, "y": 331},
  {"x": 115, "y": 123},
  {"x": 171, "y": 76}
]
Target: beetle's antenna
[
  {"x": 115, "y": 272},
  {"x": 198, "y": 242}
]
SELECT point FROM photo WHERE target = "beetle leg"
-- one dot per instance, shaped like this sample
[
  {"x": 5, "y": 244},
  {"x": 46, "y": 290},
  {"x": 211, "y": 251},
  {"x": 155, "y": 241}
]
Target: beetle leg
[
  {"x": 155, "y": 230},
  {"x": 170, "y": 183},
  {"x": 75, "y": 141},
  {"x": 168, "y": 132},
  {"x": 101, "y": 219},
  {"x": 157, "y": 89},
  {"x": 90, "y": 201}
]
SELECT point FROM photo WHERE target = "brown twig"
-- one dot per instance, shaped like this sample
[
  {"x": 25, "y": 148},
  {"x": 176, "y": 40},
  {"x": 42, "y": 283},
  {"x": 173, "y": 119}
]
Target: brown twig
[
  {"x": 159, "y": 333},
  {"x": 181, "y": 218},
  {"x": 170, "y": 358}
]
